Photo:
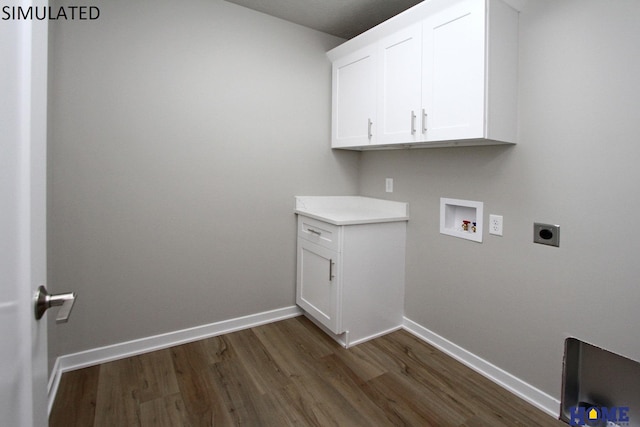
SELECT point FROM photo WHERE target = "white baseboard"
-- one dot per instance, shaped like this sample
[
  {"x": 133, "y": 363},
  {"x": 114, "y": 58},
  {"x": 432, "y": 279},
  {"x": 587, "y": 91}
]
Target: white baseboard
[
  {"x": 515, "y": 385},
  {"x": 96, "y": 356}
]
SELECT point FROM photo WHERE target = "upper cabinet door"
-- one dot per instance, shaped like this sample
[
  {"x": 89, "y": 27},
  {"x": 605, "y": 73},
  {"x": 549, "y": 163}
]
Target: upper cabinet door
[
  {"x": 454, "y": 72},
  {"x": 400, "y": 85},
  {"x": 354, "y": 99}
]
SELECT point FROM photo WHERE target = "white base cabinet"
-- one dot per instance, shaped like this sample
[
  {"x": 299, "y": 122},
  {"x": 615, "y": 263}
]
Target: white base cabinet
[{"x": 350, "y": 278}]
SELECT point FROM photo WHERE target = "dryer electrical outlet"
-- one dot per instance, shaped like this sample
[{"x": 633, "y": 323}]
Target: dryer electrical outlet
[{"x": 546, "y": 234}]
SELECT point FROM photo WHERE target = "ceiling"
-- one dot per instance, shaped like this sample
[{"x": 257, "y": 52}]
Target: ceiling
[{"x": 342, "y": 18}]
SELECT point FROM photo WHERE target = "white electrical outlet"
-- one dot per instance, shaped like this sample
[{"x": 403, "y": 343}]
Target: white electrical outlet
[
  {"x": 389, "y": 185},
  {"x": 495, "y": 225}
]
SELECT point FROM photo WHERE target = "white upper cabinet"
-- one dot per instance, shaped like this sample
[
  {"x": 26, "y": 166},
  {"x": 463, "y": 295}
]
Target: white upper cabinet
[
  {"x": 446, "y": 75},
  {"x": 354, "y": 98}
]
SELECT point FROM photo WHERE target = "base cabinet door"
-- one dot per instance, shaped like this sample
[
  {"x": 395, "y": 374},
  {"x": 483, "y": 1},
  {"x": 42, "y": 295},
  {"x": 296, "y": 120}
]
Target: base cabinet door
[{"x": 318, "y": 284}]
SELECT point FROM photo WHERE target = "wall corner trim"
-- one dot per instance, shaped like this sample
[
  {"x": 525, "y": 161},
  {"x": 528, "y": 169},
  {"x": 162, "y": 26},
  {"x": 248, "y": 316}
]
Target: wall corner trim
[
  {"x": 511, "y": 383},
  {"x": 96, "y": 356}
]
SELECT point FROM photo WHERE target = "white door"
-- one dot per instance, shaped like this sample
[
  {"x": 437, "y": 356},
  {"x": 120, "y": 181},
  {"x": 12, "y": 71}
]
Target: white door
[
  {"x": 354, "y": 99},
  {"x": 23, "y": 351}
]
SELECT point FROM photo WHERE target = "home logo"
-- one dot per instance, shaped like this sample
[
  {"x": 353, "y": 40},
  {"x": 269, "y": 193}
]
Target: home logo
[{"x": 598, "y": 415}]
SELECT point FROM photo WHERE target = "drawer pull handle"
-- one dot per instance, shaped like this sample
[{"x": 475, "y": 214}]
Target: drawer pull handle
[
  {"x": 331, "y": 276},
  {"x": 311, "y": 230}
]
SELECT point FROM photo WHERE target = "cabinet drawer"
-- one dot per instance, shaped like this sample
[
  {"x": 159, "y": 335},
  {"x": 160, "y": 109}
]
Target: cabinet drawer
[{"x": 319, "y": 232}]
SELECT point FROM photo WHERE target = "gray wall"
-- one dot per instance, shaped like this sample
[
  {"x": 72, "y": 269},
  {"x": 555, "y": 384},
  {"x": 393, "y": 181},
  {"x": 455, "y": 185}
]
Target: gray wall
[
  {"x": 509, "y": 300},
  {"x": 179, "y": 134}
]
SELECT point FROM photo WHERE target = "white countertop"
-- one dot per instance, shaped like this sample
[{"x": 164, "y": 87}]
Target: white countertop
[{"x": 348, "y": 210}]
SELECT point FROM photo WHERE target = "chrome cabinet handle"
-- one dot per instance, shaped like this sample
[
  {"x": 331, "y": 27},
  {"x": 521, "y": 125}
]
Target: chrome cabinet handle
[
  {"x": 413, "y": 122},
  {"x": 331, "y": 276},
  {"x": 369, "y": 124},
  {"x": 45, "y": 300},
  {"x": 424, "y": 121},
  {"x": 311, "y": 230}
]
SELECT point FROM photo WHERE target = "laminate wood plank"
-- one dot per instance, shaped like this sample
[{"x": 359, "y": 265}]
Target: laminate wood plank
[
  {"x": 404, "y": 404},
  {"x": 410, "y": 363},
  {"x": 407, "y": 356},
  {"x": 214, "y": 349},
  {"x": 242, "y": 400},
  {"x": 167, "y": 411},
  {"x": 202, "y": 400},
  {"x": 317, "y": 403},
  {"x": 76, "y": 398},
  {"x": 363, "y": 363},
  {"x": 262, "y": 370},
  {"x": 292, "y": 348},
  {"x": 479, "y": 421},
  {"x": 116, "y": 404},
  {"x": 300, "y": 352},
  {"x": 427, "y": 366},
  {"x": 312, "y": 343},
  {"x": 358, "y": 360},
  {"x": 293, "y": 410},
  {"x": 352, "y": 388},
  {"x": 271, "y": 412},
  {"x": 155, "y": 376}
]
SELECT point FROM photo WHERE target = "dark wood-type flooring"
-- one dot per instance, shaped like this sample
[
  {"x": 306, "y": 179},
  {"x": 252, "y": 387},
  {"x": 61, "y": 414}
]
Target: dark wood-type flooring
[{"x": 289, "y": 373}]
